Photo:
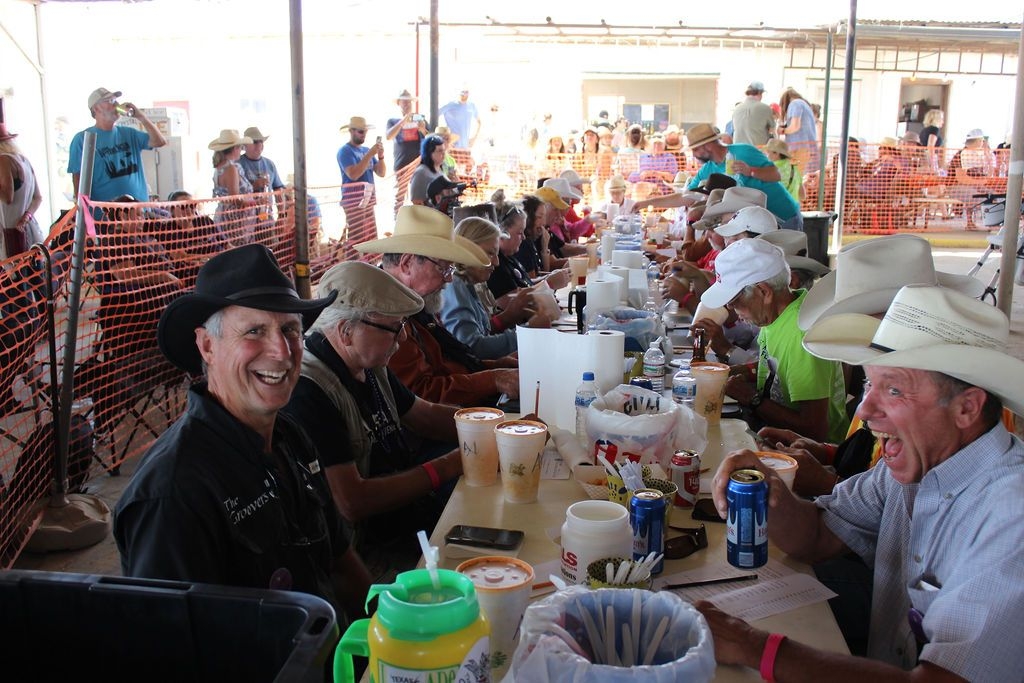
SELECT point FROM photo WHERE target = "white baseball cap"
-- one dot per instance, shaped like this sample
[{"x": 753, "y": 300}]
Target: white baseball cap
[
  {"x": 754, "y": 219},
  {"x": 743, "y": 263}
]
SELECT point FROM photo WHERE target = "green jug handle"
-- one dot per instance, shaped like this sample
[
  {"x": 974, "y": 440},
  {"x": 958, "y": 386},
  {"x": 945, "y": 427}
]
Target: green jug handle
[{"x": 354, "y": 642}]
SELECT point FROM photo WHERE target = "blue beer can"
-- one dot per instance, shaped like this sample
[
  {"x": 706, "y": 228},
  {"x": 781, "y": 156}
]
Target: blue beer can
[
  {"x": 647, "y": 510},
  {"x": 747, "y": 523}
]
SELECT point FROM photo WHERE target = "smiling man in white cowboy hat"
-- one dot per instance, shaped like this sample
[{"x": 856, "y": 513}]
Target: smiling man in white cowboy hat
[
  {"x": 118, "y": 166},
  {"x": 938, "y": 519},
  {"x": 792, "y": 389},
  {"x": 367, "y": 426},
  {"x": 232, "y": 493},
  {"x": 436, "y": 366},
  {"x": 358, "y": 164},
  {"x": 749, "y": 166}
]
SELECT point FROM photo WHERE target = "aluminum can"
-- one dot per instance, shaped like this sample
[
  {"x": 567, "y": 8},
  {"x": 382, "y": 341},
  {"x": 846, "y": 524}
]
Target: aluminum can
[
  {"x": 647, "y": 511},
  {"x": 641, "y": 382},
  {"x": 686, "y": 477},
  {"x": 746, "y": 530}
]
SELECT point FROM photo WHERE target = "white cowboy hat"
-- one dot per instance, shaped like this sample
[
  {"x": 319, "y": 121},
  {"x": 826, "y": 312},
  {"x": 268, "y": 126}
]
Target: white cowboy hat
[
  {"x": 562, "y": 187},
  {"x": 227, "y": 139},
  {"x": 794, "y": 245},
  {"x": 928, "y": 328},
  {"x": 571, "y": 177},
  {"x": 868, "y": 274},
  {"x": 424, "y": 231},
  {"x": 734, "y": 199}
]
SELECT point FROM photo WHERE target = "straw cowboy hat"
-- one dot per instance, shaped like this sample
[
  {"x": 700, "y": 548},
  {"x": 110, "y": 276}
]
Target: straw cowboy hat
[
  {"x": 778, "y": 146},
  {"x": 928, "y": 328},
  {"x": 246, "y": 276},
  {"x": 406, "y": 95},
  {"x": 617, "y": 182},
  {"x": 794, "y": 245},
  {"x": 227, "y": 139},
  {"x": 363, "y": 288},
  {"x": 562, "y": 187},
  {"x": 701, "y": 134},
  {"x": 446, "y": 132},
  {"x": 357, "y": 122},
  {"x": 868, "y": 274},
  {"x": 673, "y": 139},
  {"x": 424, "y": 231},
  {"x": 680, "y": 181},
  {"x": 734, "y": 199},
  {"x": 713, "y": 198},
  {"x": 255, "y": 133}
]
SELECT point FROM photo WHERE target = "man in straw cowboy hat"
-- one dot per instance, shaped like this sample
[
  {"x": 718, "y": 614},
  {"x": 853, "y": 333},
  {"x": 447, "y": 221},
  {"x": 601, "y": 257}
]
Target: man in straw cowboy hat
[
  {"x": 421, "y": 254},
  {"x": 749, "y": 166},
  {"x": 358, "y": 164},
  {"x": 261, "y": 171},
  {"x": 233, "y": 493},
  {"x": 792, "y": 389},
  {"x": 367, "y": 426},
  {"x": 938, "y": 518},
  {"x": 406, "y": 132},
  {"x": 118, "y": 165}
]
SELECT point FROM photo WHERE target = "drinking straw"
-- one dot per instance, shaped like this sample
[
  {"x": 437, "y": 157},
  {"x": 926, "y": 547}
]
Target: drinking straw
[
  {"x": 536, "y": 400},
  {"x": 429, "y": 558}
]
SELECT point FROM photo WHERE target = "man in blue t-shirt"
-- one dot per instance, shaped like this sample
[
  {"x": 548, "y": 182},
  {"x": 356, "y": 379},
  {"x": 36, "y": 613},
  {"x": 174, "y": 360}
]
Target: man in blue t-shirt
[
  {"x": 406, "y": 133},
  {"x": 358, "y": 164},
  {"x": 750, "y": 168},
  {"x": 461, "y": 116},
  {"x": 117, "y": 169}
]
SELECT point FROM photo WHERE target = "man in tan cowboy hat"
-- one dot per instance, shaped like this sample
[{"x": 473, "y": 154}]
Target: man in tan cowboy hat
[
  {"x": 358, "y": 164},
  {"x": 367, "y": 426},
  {"x": 118, "y": 166},
  {"x": 752, "y": 119},
  {"x": 748, "y": 165},
  {"x": 792, "y": 389},
  {"x": 938, "y": 519},
  {"x": 406, "y": 132},
  {"x": 233, "y": 493},
  {"x": 260, "y": 171},
  {"x": 421, "y": 254}
]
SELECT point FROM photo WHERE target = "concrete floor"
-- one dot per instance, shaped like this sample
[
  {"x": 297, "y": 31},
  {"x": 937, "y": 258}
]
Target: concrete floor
[{"x": 954, "y": 252}]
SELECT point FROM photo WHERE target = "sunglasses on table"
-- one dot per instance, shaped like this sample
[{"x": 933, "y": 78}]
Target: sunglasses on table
[{"x": 692, "y": 540}]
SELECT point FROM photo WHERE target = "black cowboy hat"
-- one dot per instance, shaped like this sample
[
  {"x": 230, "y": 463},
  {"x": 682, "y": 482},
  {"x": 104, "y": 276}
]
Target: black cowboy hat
[
  {"x": 246, "y": 276},
  {"x": 716, "y": 181}
]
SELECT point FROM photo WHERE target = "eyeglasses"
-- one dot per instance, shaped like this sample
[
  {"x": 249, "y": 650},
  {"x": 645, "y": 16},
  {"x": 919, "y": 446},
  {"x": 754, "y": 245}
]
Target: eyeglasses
[
  {"x": 393, "y": 330},
  {"x": 692, "y": 540},
  {"x": 445, "y": 271}
]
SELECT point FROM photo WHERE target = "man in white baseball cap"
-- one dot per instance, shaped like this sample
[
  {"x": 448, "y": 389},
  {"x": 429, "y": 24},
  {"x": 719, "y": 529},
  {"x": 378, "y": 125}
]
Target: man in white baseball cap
[{"x": 792, "y": 389}]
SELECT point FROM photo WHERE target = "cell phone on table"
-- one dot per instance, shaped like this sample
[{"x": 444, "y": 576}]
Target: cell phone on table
[{"x": 484, "y": 537}]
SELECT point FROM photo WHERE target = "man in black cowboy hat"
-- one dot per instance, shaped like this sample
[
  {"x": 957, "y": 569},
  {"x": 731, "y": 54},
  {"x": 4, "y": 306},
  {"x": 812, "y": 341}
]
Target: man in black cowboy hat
[{"x": 232, "y": 493}]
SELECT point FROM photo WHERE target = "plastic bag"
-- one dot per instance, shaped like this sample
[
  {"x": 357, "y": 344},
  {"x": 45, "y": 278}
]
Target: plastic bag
[
  {"x": 545, "y": 303},
  {"x": 630, "y": 421},
  {"x": 563, "y": 635},
  {"x": 640, "y": 328}
]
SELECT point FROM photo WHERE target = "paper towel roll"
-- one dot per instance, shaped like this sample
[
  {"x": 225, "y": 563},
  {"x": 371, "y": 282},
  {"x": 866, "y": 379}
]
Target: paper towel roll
[
  {"x": 603, "y": 291},
  {"x": 607, "y": 246},
  {"x": 622, "y": 273},
  {"x": 628, "y": 259},
  {"x": 558, "y": 361}
]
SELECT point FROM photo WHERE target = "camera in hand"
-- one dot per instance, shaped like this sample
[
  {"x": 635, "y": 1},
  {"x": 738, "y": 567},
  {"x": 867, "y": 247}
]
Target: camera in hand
[{"x": 444, "y": 195}]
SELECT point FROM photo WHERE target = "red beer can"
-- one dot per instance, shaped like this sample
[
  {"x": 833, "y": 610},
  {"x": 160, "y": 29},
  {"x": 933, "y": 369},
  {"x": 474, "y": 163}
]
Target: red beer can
[{"x": 686, "y": 477}]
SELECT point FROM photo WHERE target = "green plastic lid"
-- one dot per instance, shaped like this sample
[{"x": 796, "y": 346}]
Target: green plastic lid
[{"x": 413, "y": 609}]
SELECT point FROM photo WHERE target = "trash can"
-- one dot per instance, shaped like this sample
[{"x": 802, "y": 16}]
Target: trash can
[
  {"x": 59, "y": 625},
  {"x": 816, "y": 227}
]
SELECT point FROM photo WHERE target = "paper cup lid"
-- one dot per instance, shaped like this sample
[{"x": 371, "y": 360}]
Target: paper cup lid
[
  {"x": 777, "y": 461},
  {"x": 520, "y": 427},
  {"x": 496, "y": 573},
  {"x": 482, "y": 414}
]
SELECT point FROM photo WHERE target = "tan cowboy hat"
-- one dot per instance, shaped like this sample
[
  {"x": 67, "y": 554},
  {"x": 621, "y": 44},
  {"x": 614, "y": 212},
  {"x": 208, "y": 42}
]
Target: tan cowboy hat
[
  {"x": 617, "y": 182},
  {"x": 424, "y": 231},
  {"x": 794, "y": 244},
  {"x": 406, "y": 95},
  {"x": 446, "y": 132},
  {"x": 227, "y": 139},
  {"x": 357, "y": 122},
  {"x": 680, "y": 182},
  {"x": 778, "y": 146},
  {"x": 889, "y": 142},
  {"x": 734, "y": 199},
  {"x": 868, "y": 274},
  {"x": 714, "y": 197},
  {"x": 701, "y": 134},
  {"x": 928, "y": 328},
  {"x": 255, "y": 133},
  {"x": 550, "y": 196}
]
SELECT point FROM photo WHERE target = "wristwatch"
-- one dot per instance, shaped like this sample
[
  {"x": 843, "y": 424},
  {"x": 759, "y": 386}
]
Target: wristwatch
[{"x": 755, "y": 402}]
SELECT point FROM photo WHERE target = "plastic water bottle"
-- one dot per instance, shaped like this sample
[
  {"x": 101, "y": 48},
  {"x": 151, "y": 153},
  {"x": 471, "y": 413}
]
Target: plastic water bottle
[
  {"x": 653, "y": 288},
  {"x": 684, "y": 387},
  {"x": 654, "y": 366},
  {"x": 586, "y": 393}
]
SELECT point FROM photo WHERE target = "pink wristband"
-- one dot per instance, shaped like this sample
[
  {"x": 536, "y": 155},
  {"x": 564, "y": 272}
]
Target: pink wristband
[
  {"x": 771, "y": 650},
  {"x": 435, "y": 479}
]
